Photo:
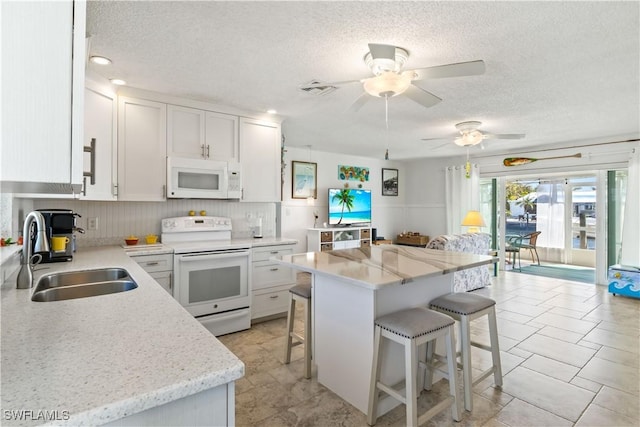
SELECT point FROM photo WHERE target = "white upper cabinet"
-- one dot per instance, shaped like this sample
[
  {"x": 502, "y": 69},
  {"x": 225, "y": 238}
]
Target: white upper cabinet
[
  {"x": 260, "y": 154},
  {"x": 200, "y": 134},
  {"x": 142, "y": 150},
  {"x": 100, "y": 166},
  {"x": 222, "y": 137},
  {"x": 43, "y": 54},
  {"x": 185, "y": 132}
]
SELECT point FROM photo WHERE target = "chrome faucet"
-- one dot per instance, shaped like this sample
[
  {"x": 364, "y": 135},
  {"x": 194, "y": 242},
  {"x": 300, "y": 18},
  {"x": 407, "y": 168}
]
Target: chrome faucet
[{"x": 25, "y": 276}]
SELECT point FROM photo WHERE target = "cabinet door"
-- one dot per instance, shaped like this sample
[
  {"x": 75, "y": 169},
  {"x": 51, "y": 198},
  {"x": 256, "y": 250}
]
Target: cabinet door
[
  {"x": 221, "y": 139},
  {"x": 185, "y": 132},
  {"x": 142, "y": 138},
  {"x": 100, "y": 124},
  {"x": 260, "y": 160},
  {"x": 42, "y": 94},
  {"x": 164, "y": 279}
]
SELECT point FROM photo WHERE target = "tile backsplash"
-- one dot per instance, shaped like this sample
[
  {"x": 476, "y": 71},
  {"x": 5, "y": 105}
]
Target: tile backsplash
[{"x": 116, "y": 220}]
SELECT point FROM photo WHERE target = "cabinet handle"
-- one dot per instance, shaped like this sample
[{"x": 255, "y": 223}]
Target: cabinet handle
[
  {"x": 274, "y": 269},
  {"x": 171, "y": 280},
  {"x": 115, "y": 190},
  {"x": 153, "y": 263},
  {"x": 84, "y": 186},
  {"x": 208, "y": 146},
  {"x": 92, "y": 163},
  {"x": 273, "y": 296},
  {"x": 274, "y": 252},
  {"x": 203, "y": 152},
  {"x": 164, "y": 191}
]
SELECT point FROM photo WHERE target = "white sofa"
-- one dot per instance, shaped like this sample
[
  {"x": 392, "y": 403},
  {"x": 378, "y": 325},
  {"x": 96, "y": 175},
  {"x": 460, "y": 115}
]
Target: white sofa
[{"x": 475, "y": 243}]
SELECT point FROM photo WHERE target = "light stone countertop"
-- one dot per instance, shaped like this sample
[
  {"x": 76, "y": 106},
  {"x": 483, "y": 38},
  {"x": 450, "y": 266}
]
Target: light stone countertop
[
  {"x": 267, "y": 241},
  {"x": 105, "y": 357},
  {"x": 378, "y": 266}
]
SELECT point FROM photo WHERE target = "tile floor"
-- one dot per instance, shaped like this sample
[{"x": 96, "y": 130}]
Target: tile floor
[{"x": 570, "y": 357}]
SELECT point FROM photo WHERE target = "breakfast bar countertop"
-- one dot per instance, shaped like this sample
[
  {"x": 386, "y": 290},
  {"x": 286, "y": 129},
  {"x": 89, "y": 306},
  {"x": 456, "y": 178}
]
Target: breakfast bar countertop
[
  {"x": 93, "y": 360},
  {"x": 378, "y": 266}
]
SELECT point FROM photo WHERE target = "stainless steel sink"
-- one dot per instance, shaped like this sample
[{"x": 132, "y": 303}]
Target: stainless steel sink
[{"x": 82, "y": 284}]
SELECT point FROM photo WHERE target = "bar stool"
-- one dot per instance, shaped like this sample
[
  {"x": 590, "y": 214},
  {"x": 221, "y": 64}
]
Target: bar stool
[
  {"x": 411, "y": 328},
  {"x": 299, "y": 293},
  {"x": 465, "y": 307}
]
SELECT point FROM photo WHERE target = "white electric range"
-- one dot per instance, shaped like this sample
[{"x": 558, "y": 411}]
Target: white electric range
[{"x": 212, "y": 273}]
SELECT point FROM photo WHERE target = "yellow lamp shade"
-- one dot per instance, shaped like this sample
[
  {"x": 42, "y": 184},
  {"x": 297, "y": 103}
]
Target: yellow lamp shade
[{"x": 473, "y": 220}]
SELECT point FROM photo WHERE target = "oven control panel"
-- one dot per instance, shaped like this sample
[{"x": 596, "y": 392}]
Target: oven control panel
[{"x": 195, "y": 223}]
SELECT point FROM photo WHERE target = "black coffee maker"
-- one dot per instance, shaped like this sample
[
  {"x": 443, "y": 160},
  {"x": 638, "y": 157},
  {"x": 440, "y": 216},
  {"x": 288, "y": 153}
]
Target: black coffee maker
[{"x": 59, "y": 223}]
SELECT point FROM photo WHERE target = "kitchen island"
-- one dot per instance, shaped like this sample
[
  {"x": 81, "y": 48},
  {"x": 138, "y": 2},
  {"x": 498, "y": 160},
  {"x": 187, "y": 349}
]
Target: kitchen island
[
  {"x": 351, "y": 288},
  {"x": 129, "y": 358}
]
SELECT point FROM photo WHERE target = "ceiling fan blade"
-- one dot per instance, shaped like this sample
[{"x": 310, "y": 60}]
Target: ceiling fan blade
[
  {"x": 504, "y": 136},
  {"x": 327, "y": 84},
  {"x": 356, "y": 106},
  {"x": 382, "y": 51},
  {"x": 461, "y": 69},
  {"x": 421, "y": 96}
]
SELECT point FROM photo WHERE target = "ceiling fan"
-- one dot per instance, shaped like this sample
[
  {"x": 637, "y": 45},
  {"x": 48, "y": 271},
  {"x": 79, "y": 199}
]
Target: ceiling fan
[
  {"x": 386, "y": 62},
  {"x": 470, "y": 135}
]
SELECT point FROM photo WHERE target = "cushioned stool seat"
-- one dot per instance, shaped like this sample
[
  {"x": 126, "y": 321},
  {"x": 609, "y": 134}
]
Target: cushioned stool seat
[
  {"x": 411, "y": 328},
  {"x": 300, "y": 293},
  {"x": 465, "y": 307}
]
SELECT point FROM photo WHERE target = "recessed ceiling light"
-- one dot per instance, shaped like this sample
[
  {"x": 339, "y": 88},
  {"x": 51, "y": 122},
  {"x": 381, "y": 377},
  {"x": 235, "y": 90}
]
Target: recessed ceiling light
[
  {"x": 271, "y": 111},
  {"x": 100, "y": 60},
  {"x": 118, "y": 82}
]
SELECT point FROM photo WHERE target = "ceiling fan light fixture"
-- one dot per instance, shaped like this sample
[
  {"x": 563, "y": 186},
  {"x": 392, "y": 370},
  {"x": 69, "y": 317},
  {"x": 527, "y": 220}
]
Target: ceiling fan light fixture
[
  {"x": 382, "y": 65},
  {"x": 469, "y": 138},
  {"x": 387, "y": 84}
]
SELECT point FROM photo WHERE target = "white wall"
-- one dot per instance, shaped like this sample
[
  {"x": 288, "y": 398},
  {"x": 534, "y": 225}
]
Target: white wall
[
  {"x": 425, "y": 210},
  {"x": 388, "y": 212}
]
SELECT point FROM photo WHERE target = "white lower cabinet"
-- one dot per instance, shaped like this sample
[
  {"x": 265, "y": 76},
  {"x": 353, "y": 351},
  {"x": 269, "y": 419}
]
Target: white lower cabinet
[
  {"x": 271, "y": 281},
  {"x": 160, "y": 267}
]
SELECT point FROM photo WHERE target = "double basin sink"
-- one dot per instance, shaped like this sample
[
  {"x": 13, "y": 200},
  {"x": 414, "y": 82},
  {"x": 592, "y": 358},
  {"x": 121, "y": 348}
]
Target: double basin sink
[{"x": 82, "y": 284}]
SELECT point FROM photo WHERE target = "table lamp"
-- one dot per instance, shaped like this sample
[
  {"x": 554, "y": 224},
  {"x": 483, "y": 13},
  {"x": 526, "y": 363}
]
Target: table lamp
[{"x": 474, "y": 221}]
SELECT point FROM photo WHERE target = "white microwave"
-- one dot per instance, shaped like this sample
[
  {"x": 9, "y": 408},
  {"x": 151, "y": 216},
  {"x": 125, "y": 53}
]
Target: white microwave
[{"x": 203, "y": 179}]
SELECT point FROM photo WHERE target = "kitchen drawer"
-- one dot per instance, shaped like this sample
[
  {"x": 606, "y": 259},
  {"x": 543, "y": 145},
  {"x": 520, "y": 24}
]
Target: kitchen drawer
[
  {"x": 266, "y": 273},
  {"x": 151, "y": 263},
  {"x": 326, "y": 236},
  {"x": 269, "y": 303},
  {"x": 263, "y": 254}
]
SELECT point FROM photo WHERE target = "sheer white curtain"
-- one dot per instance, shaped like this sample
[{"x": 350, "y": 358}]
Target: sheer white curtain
[
  {"x": 550, "y": 217},
  {"x": 462, "y": 195},
  {"x": 630, "y": 251}
]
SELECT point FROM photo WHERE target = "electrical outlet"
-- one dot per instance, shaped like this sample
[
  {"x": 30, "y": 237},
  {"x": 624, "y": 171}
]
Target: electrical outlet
[{"x": 92, "y": 223}]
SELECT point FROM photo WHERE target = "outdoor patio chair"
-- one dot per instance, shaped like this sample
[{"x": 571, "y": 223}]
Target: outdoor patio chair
[
  {"x": 529, "y": 242},
  {"x": 512, "y": 248}
]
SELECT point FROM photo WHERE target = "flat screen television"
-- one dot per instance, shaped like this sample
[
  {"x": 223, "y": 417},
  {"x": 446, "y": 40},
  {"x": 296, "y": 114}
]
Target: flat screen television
[{"x": 349, "y": 206}]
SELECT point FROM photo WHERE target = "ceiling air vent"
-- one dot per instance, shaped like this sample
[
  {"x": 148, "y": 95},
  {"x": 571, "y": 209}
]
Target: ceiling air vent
[{"x": 316, "y": 87}]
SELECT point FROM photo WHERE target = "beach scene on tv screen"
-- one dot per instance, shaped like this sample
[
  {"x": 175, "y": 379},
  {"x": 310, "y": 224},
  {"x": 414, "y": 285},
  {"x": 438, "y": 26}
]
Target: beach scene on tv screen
[{"x": 360, "y": 207}]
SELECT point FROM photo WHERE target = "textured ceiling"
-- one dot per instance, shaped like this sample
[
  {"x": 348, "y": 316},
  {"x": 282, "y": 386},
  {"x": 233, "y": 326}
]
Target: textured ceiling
[{"x": 557, "y": 71}]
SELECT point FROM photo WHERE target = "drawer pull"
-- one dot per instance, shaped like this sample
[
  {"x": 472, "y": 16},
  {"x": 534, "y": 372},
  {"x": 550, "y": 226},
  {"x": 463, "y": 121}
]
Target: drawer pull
[
  {"x": 273, "y": 296},
  {"x": 274, "y": 269},
  {"x": 274, "y": 252},
  {"x": 153, "y": 263}
]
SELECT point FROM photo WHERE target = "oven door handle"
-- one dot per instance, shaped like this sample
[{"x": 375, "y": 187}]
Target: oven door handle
[{"x": 212, "y": 255}]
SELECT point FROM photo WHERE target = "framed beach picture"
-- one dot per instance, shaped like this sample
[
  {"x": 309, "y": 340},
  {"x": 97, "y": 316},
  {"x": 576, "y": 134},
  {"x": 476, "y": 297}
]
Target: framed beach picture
[
  {"x": 303, "y": 180},
  {"x": 389, "y": 182}
]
